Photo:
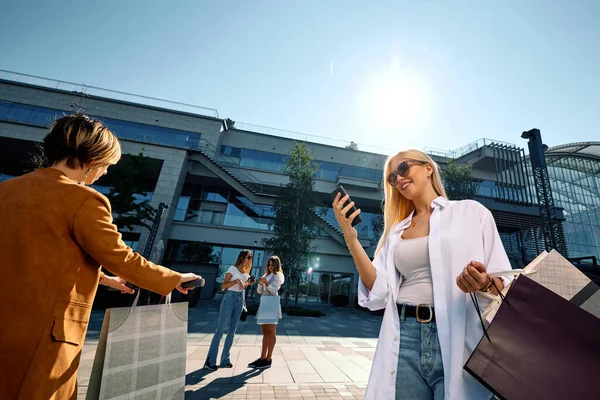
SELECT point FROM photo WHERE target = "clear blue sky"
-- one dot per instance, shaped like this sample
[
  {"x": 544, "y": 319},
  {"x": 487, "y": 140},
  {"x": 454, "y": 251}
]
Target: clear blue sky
[{"x": 392, "y": 74}]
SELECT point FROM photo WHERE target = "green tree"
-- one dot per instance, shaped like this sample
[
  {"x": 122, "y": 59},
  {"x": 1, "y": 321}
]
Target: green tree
[
  {"x": 127, "y": 183},
  {"x": 230, "y": 123},
  {"x": 296, "y": 217},
  {"x": 198, "y": 252},
  {"x": 458, "y": 181}
]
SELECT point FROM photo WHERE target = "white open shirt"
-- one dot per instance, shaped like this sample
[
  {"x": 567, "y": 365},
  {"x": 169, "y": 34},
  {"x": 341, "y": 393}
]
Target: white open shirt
[{"x": 459, "y": 232}]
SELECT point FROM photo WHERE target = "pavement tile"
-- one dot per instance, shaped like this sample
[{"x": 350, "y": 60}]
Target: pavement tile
[{"x": 315, "y": 358}]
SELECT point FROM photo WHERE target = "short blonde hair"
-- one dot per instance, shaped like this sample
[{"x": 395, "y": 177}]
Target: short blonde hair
[
  {"x": 80, "y": 140},
  {"x": 396, "y": 206}
]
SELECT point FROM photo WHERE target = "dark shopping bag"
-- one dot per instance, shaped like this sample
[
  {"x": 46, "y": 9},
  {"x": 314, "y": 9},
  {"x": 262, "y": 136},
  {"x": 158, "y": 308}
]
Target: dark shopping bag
[
  {"x": 141, "y": 353},
  {"x": 539, "y": 346}
]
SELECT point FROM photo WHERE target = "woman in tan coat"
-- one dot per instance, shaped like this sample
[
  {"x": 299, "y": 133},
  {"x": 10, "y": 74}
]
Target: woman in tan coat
[{"x": 55, "y": 233}]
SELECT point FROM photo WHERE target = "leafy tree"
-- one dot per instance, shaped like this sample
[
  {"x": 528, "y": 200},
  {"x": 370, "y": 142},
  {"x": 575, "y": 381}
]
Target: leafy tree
[
  {"x": 230, "y": 123},
  {"x": 352, "y": 146},
  {"x": 458, "y": 181},
  {"x": 127, "y": 183},
  {"x": 198, "y": 252},
  {"x": 295, "y": 217}
]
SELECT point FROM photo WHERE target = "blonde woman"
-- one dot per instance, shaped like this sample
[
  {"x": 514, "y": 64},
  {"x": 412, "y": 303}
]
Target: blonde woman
[
  {"x": 432, "y": 252},
  {"x": 269, "y": 285},
  {"x": 235, "y": 283},
  {"x": 54, "y": 235}
]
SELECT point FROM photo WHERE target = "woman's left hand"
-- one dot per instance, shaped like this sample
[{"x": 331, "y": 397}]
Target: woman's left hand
[
  {"x": 263, "y": 280},
  {"x": 117, "y": 283},
  {"x": 473, "y": 278}
]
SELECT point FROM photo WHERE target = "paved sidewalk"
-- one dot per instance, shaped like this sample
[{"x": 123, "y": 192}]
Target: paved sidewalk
[{"x": 315, "y": 358}]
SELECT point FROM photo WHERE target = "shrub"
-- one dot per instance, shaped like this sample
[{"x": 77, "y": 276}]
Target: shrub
[
  {"x": 303, "y": 312},
  {"x": 340, "y": 300}
]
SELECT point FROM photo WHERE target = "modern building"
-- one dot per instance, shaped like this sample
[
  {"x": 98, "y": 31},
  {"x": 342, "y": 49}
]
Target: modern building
[{"x": 220, "y": 181}]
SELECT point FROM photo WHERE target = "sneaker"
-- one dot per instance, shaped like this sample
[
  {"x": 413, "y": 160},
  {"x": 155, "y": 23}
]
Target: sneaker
[
  {"x": 210, "y": 367},
  {"x": 254, "y": 363},
  {"x": 264, "y": 364},
  {"x": 227, "y": 365}
]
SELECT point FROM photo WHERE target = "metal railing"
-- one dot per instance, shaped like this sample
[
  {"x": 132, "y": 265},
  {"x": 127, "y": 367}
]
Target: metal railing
[
  {"x": 225, "y": 161},
  {"x": 304, "y": 137},
  {"x": 466, "y": 149},
  {"x": 221, "y": 219},
  {"x": 106, "y": 93}
]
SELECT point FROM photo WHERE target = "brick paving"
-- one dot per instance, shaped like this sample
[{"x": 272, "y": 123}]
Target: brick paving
[{"x": 315, "y": 358}]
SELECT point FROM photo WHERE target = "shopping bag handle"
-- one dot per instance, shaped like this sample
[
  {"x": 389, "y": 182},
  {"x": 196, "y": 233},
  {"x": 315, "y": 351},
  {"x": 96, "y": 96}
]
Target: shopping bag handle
[
  {"x": 137, "y": 299},
  {"x": 476, "y": 304}
]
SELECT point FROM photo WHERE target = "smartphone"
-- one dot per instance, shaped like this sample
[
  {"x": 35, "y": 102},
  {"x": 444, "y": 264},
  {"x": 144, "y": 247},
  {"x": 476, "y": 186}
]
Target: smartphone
[
  {"x": 340, "y": 189},
  {"x": 251, "y": 278},
  {"x": 194, "y": 284}
]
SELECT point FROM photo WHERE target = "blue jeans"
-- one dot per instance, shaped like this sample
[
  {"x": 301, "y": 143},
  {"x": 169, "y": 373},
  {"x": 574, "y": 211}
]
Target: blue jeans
[
  {"x": 420, "y": 373},
  {"x": 229, "y": 314}
]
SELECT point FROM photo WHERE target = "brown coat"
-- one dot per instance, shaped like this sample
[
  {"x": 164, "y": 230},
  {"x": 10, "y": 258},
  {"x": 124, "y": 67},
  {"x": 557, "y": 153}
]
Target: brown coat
[{"x": 54, "y": 235}]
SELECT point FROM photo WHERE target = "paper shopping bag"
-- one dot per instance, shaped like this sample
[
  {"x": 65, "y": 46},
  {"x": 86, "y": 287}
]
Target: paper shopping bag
[
  {"x": 141, "y": 353},
  {"x": 269, "y": 310}
]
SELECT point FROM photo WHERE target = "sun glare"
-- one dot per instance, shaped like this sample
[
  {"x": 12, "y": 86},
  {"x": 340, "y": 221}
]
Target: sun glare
[{"x": 397, "y": 100}]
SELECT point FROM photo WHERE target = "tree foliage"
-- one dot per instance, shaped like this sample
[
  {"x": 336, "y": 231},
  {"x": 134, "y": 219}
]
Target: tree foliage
[
  {"x": 198, "y": 253},
  {"x": 458, "y": 181},
  {"x": 127, "y": 184},
  {"x": 296, "y": 217}
]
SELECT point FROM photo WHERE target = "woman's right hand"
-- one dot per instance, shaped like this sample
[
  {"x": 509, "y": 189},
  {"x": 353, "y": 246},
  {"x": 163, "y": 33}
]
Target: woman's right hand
[{"x": 340, "y": 215}]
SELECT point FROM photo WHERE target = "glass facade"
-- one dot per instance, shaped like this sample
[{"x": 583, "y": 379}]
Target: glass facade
[
  {"x": 207, "y": 254},
  {"x": 223, "y": 207},
  {"x": 264, "y": 160},
  {"x": 325, "y": 288},
  {"x": 575, "y": 185},
  {"x": 494, "y": 190},
  {"x": 45, "y": 117},
  {"x": 371, "y": 227}
]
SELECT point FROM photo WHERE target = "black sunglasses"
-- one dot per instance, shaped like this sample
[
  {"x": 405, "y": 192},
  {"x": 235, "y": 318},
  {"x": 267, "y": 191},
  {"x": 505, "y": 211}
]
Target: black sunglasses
[
  {"x": 403, "y": 170},
  {"x": 249, "y": 257}
]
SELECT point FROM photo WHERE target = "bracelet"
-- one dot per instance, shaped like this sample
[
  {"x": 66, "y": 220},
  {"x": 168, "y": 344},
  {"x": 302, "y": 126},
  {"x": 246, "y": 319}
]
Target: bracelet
[{"x": 488, "y": 288}]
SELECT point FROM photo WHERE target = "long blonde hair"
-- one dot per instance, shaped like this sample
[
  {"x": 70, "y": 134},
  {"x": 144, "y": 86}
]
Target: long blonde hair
[{"x": 396, "y": 206}]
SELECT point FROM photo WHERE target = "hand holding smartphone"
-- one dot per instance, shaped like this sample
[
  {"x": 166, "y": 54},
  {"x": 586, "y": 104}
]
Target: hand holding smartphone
[
  {"x": 340, "y": 189},
  {"x": 193, "y": 284}
]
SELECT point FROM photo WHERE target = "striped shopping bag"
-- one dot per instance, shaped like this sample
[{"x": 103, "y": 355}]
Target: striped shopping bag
[{"x": 141, "y": 353}]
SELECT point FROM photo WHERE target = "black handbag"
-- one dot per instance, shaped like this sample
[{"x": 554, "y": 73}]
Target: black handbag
[{"x": 244, "y": 314}]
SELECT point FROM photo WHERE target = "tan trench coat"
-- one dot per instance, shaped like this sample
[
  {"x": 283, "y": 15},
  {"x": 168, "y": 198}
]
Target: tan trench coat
[{"x": 54, "y": 235}]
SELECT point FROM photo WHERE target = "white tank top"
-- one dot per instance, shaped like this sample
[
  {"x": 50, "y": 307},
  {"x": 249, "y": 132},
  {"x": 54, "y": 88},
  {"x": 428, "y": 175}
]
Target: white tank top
[{"x": 411, "y": 257}]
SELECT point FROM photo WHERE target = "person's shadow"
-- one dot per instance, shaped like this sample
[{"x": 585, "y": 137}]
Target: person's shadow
[{"x": 219, "y": 387}]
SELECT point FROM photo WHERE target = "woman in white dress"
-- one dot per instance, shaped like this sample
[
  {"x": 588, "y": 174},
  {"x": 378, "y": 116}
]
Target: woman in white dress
[
  {"x": 432, "y": 252},
  {"x": 269, "y": 285}
]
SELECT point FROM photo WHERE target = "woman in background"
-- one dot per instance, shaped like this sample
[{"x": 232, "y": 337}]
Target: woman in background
[
  {"x": 269, "y": 285},
  {"x": 235, "y": 283}
]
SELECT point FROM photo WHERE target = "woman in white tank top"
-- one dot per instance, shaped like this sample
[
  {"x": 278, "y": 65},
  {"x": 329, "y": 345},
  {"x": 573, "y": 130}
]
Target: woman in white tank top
[
  {"x": 235, "y": 283},
  {"x": 431, "y": 253}
]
